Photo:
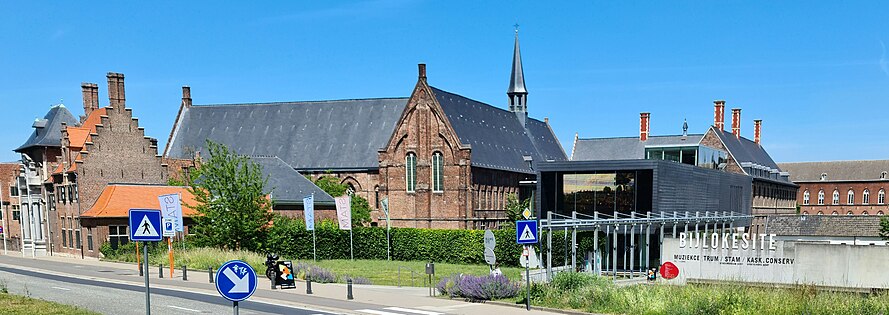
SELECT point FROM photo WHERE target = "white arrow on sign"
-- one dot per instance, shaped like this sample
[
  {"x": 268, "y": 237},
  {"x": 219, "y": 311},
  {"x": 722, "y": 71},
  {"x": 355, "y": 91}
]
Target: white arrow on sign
[{"x": 242, "y": 284}]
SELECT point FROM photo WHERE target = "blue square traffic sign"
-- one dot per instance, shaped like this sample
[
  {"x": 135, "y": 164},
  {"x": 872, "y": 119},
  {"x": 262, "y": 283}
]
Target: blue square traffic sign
[
  {"x": 526, "y": 232},
  {"x": 145, "y": 225}
]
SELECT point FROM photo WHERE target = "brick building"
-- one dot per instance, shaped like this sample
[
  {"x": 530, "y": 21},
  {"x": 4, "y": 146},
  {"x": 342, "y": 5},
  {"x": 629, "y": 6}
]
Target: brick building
[
  {"x": 841, "y": 187},
  {"x": 441, "y": 159},
  {"x": 10, "y": 213},
  {"x": 68, "y": 162}
]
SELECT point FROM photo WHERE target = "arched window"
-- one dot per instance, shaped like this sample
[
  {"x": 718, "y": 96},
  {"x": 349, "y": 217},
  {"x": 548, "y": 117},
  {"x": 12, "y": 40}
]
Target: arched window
[
  {"x": 834, "y": 213},
  {"x": 437, "y": 170},
  {"x": 805, "y": 212},
  {"x": 850, "y": 197},
  {"x": 880, "y": 212},
  {"x": 849, "y": 213},
  {"x": 865, "y": 196},
  {"x": 820, "y": 213},
  {"x": 865, "y": 213},
  {"x": 806, "y": 197},
  {"x": 881, "y": 197},
  {"x": 836, "y": 197},
  {"x": 410, "y": 172},
  {"x": 821, "y": 197}
]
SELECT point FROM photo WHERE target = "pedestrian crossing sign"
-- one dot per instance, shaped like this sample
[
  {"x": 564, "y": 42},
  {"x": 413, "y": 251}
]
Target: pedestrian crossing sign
[
  {"x": 145, "y": 225},
  {"x": 526, "y": 231}
]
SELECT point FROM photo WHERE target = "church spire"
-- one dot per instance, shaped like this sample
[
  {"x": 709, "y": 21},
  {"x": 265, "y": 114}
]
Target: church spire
[{"x": 518, "y": 95}]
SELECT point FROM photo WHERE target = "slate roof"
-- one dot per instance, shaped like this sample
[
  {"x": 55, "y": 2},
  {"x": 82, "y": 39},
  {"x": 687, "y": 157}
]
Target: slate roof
[
  {"x": 745, "y": 150},
  {"x": 48, "y": 131},
  {"x": 625, "y": 148},
  {"x": 318, "y": 135},
  {"x": 496, "y": 136},
  {"x": 823, "y": 225},
  {"x": 287, "y": 185},
  {"x": 836, "y": 170}
]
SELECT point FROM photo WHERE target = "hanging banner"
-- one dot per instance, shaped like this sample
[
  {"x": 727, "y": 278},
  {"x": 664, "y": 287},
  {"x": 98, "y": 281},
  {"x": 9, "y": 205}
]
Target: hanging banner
[
  {"x": 172, "y": 208},
  {"x": 309, "y": 212},
  {"x": 344, "y": 212}
]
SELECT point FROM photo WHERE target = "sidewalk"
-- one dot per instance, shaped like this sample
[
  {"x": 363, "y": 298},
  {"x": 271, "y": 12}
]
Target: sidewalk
[{"x": 329, "y": 297}]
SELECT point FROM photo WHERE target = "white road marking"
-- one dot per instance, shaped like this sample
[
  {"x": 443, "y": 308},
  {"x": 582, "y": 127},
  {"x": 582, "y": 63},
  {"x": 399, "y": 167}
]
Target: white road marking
[
  {"x": 184, "y": 309},
  {"x": 60, "y": 288},
  {"x": 378, "y": 312},
  {"x": 407, "y": 310}
]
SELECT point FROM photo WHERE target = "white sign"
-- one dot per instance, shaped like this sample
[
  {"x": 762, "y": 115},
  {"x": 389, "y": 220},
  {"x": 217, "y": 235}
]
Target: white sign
[
  {"x": 529, "y": 257},
  {"x": 344, "y": 212},
  {"x": 169, "y": 229},
  {"x": 490, "y": 258},
  {"x": 171, "y": 207},
  {"x": 309, "y": 212},
  {"x": 490, "y": 241},
  {"x": 145, "y": 228}
]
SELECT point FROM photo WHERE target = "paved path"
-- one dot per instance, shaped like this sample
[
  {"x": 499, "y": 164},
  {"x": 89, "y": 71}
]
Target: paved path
[{"x": 110, "y": 288}]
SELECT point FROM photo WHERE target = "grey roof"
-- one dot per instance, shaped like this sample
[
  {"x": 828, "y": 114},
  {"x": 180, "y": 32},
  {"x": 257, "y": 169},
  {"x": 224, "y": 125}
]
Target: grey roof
[
  {"x": 286, "y": 185},
  {"x": 823, "y": 225},
  {"x": 836, "y": 170},
  {"x": 48, "y": 131},
  {"x": 496, "y": 136},
  {"x": 745, "y": 150},
  {"x": 625, "y": 148},
  {"x": 517, "y": 77},
  {"x": 319, "y": 135}
]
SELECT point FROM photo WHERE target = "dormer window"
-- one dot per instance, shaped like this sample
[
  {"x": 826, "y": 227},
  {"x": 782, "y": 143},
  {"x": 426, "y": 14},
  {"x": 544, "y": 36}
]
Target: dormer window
[
  {"x": 823, "y": 176},
  {"x": 883, "y": 175}
]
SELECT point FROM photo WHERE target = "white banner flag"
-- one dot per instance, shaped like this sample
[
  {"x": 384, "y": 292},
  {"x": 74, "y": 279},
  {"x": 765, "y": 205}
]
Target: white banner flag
[
  {"x": 172, "y": 208},
  {"x": 344, "y": 212},
  {"x": 309, "y": 212}
]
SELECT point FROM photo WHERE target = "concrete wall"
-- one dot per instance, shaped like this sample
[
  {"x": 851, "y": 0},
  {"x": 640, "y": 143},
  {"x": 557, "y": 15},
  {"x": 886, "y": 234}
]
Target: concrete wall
[{"x": 826, "y": 265}]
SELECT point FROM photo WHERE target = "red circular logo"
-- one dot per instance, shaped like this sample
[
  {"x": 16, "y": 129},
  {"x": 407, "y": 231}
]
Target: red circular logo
[{"x": 669, "y": 271}]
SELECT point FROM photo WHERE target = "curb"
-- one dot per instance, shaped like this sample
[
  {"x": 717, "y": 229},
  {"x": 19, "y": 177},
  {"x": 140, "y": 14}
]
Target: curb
[{"x": 542, "y": 308}]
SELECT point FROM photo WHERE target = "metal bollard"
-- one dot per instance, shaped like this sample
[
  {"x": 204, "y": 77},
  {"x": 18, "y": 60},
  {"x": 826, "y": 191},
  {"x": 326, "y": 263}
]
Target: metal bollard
[
  {"x": 210, "y": 270},
  {"x": 141, "y": 272},
  {"x": 308, "y": 286},
  {"x": 160, "y": 270},
  {"x": 349, "y": 289},
  {"x": 184, "y": 273}
]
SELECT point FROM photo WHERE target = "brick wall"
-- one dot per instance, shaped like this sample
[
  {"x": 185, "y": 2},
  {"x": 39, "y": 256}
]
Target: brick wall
[{"x": 857, "y": 207}]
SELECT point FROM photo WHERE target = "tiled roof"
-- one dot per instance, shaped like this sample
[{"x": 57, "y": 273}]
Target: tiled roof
[
  {"x": 48, "y": 131},
  {"x": 116, "y": 200},
  {"x": 823, "y": 225},
  {"x": 78, "y": 136},
  {"x": 95, "y": 118},
  {"x": 625, "y": 148},
  {"x": 837, "y": 170},
  {"x": 496, "y": 136},
  {"x": 320, "y": 135},
  {"x": 286, "y": 185}
]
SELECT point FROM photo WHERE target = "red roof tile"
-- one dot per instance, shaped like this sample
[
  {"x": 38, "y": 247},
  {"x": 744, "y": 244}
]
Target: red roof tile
[{"x": 116, "y": 200}]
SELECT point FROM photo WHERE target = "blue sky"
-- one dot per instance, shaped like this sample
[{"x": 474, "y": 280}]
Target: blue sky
[{"x": 815, "y": 72}]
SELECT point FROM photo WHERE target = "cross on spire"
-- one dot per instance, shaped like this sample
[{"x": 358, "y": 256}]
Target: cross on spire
[{"x": 516, "y": 28}]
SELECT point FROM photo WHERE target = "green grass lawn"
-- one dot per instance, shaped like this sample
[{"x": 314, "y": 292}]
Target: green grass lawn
[
  {"x": 20, "y": 305},
  {"x": 387, "y": 272}
]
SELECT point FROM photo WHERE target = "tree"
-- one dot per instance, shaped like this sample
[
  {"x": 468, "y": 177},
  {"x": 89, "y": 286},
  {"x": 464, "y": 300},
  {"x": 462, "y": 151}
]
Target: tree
[
  {"x": 884, "y": 228},
  {"x": 514, "y": 208},
  {"x": 233, "y": 209},
  {"x": 360, "y": 206}
]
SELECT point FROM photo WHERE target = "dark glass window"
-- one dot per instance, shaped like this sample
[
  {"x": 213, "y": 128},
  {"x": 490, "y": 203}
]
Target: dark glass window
[
  {"x": 410, "y": 172},
  {"x": 89, "y": 239},
  {"x": 117, "y": 235},
  {"x": 437, "y": 169}
]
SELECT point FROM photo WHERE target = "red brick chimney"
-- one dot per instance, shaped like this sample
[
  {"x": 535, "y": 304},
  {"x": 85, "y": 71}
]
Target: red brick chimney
[
  {"x": 421, "y": 67},
  {"x": 719, "y": 114},
  {"x": 116, "y": 95},
  {"x": 95, "y": 98},
  {"x": 186, "y": 96},
  {"x": 90, "y": 98},
  {"x": 644, "y": 126},
  {"x": 757, "y": 130},
  {"x": 736, "y": 122}
]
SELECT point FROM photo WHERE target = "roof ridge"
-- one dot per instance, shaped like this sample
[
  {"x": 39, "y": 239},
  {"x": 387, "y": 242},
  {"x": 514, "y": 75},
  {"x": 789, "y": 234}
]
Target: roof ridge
[
  {"x": 480, "y": 102},
  {"x": 636, "y": 137},
  {"x": 835, "y": 161},
  {"x": 301, "y": 102}
]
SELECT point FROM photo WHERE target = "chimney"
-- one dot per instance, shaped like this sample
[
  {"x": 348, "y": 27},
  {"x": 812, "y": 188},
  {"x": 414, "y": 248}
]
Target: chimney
[
  {"x": 116, "y": 94},
  {"x": 422, "y": 69},
  {"x": 87, "y": 90},
  {"x": 719, "y": 114},
  {"x": 644, "y": 127},
  {"x": 736, "y": 122},
  {"x": 186, "y": 96},
  {"x": 757, "y": 130}
]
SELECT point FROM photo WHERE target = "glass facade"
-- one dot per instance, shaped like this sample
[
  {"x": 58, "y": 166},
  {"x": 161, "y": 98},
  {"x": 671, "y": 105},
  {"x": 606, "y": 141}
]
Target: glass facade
[
  {"x": 603, "y": 192},
  {"x": 702, "y": 156}
]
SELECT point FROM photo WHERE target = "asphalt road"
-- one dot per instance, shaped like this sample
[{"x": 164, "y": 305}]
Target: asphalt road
[{"x": 118, "y": 298}]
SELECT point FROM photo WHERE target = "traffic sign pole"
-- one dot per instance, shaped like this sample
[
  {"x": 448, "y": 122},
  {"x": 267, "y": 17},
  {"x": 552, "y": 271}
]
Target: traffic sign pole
[
  {"x": 235, "y": 307},
  {"x": 147, "y": 294},
  {"x": 528, "y": 278}
]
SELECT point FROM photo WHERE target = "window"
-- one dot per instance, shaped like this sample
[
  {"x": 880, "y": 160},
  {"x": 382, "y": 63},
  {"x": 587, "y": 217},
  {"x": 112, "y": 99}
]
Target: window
[
  {"x": 89, "y": 239},
  {"x": 864, "y": 213},
  {"x": 806, "y": 197},
  {"x": 821, "y": 197},
  {"x": 410, "y": 172},
  {"x": 76, "y": 192},
  {"x": 13, "y": 191},
  {"x": 823, "y": 176},
  {"x": 836, "y": 197},
  {"x": 849, "y": 213},
  {"x": 62, "y": 194},
  {"x": 850, "y": 197},
  {"x": 883, "y": 175},
  {"x": 865, "y": 196},
  {"x": 71, "y": 193},
  {"x": 117, "y": 235},
  {"x": 880, "y": 212},
  {"x": 16, "y": 214},
  {"x": 64, "y": 234},
  {"x": 820, "y": 213},
  {"x": 881, "y": 196},
  {"x": 437, "y": 168},
  {"x": 805, "y": 212},
  {"x": 834, "y": 213},
  {"x": 77, "y": 243},
  {"x": 70, "y": 232},
  {"x": 377, "y": 197}
]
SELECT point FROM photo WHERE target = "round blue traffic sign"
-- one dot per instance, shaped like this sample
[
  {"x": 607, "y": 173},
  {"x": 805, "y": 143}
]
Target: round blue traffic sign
[{"x": 236, "y": 280}]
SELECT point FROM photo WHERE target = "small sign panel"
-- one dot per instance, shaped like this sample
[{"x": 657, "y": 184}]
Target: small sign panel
[
  {"x": 669, "y": 270},
  {"x": 526, "y": 231},
  {"x": 145, "y": 225},
  {"x": 284, "y": 275},
  {"x": 169, "y": 227},
  {"x": 236, "y": 281}
]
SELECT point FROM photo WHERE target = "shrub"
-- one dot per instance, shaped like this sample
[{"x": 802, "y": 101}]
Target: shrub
[
  {"x": 320, "y": 275},
  {"x": 490, "y": 287},
  {"x": 450, "y": 286},
  {"x": 571, "y": 281}
]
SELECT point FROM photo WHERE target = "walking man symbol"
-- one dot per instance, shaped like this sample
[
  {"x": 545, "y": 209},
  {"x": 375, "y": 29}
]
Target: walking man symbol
[{"x": 146, "y": 228}]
